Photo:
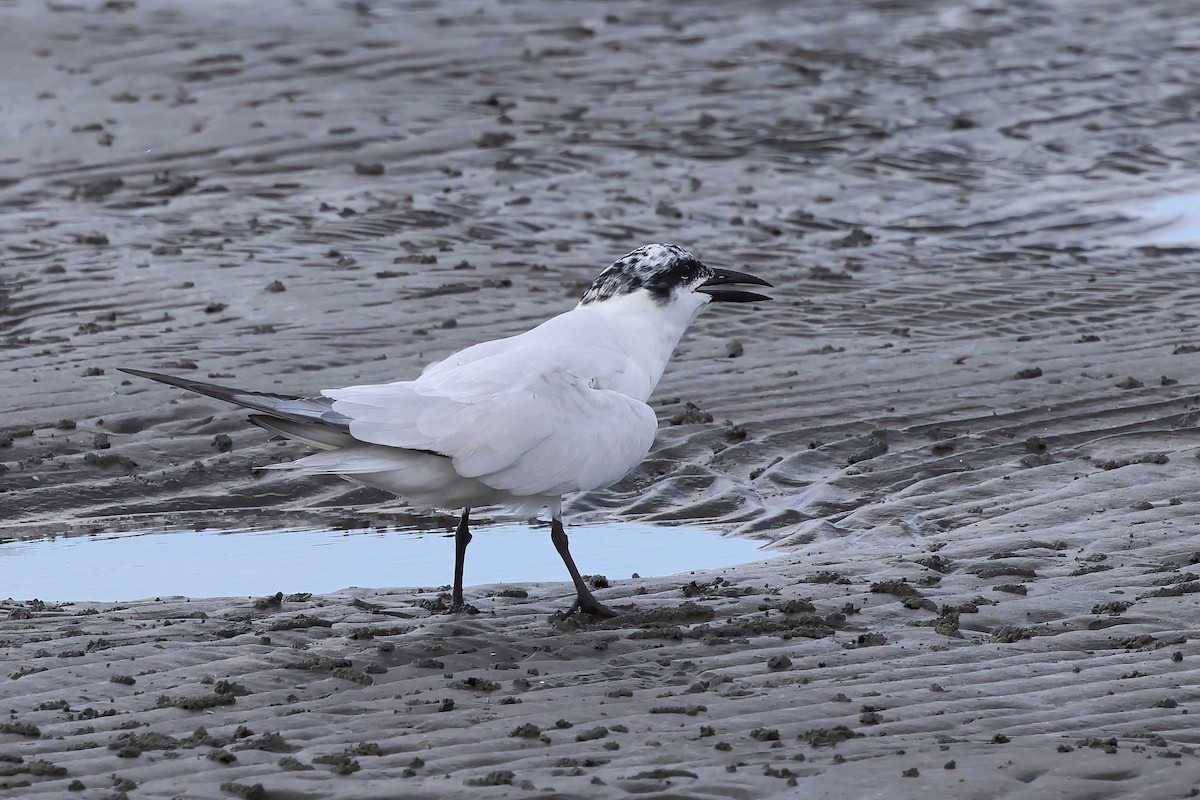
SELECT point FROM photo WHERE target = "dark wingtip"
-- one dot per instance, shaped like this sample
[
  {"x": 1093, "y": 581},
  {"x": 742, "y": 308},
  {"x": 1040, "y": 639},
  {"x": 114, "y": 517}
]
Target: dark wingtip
[
  {"x": 155, "y": 376},
  {"x": 190, "y": 384}
]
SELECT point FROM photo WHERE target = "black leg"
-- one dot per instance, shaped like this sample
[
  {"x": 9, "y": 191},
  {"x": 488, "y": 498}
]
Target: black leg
[
  {"x": 462, "y": 538},
  {"x": 584, "y": 601}
]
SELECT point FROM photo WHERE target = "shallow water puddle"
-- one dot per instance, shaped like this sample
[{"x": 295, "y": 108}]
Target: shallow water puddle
[
  {"x": 1169, "y": 220},
  {"x": 132, "y": 566}
]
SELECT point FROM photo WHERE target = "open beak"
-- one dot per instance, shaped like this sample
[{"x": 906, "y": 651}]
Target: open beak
[{"x": 715, "y": 287}]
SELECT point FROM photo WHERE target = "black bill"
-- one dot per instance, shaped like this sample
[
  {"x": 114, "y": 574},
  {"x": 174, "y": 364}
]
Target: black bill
[{"x": 715, "y": 286}]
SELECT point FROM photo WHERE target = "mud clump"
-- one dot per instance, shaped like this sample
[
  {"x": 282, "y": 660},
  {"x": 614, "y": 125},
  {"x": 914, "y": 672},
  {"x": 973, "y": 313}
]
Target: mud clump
[
  {"x": 21, "y": 729},
  {"x": 999, "y": 570},
  {"x": 876, "y": 446},
  {"x": 254, "y": 791},
  {"x": 691, "y": 414},
  {"x": 896, "y": 588},
  {"x": 500, "y": 777},
  {"x": 526, "y": 731},
  {"x": 1007, "y": 634},
  {"x": 828, "y": 737},
  {"x": 201, "y": 702},
  {"x": 339, "y": 764}
]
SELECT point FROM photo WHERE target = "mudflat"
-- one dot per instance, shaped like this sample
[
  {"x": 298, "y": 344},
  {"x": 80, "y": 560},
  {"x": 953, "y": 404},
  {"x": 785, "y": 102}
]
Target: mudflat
[{"x": 968, "y": 420}]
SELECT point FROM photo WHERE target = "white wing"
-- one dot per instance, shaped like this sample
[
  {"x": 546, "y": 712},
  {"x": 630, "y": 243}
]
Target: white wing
[{"x": 517, "y": 420}]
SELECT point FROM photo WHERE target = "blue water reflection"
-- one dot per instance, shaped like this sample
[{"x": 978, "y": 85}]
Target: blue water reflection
[
  {"x": 1174, "y": 220},
  {"x": 132, "y": 566}
]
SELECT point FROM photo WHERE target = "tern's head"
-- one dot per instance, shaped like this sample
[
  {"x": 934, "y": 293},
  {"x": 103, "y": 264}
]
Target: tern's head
[{"x": 670, "y": 275}]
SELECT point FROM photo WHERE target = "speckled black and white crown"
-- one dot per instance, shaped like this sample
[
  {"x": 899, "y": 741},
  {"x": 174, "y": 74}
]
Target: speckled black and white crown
[{"x": 657, "y": 268}]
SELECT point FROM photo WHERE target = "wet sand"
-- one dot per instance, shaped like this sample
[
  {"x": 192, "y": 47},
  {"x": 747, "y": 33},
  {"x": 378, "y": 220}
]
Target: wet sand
[{"x": 968, "y": 420}]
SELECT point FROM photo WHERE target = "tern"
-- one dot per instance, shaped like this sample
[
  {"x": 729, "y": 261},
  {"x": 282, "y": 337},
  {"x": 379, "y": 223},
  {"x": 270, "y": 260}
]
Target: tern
[{"x": 516, "y": 422}]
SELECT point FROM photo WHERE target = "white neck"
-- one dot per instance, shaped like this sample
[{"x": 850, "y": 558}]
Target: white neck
[{"x": 637, "y": 336}]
